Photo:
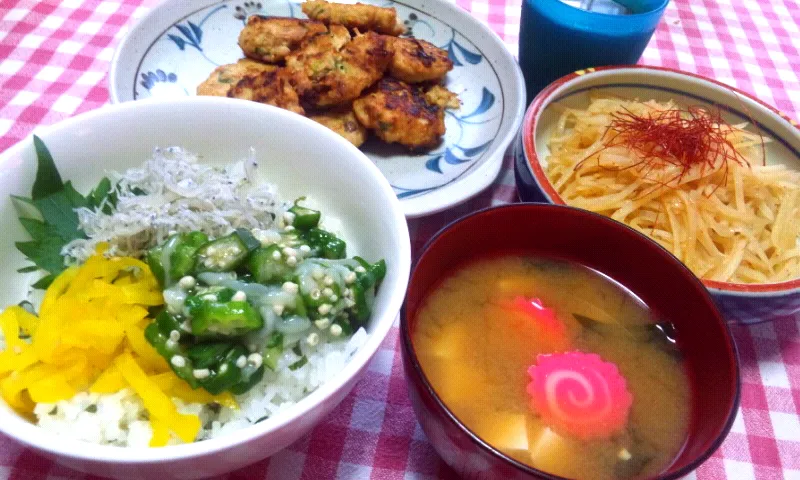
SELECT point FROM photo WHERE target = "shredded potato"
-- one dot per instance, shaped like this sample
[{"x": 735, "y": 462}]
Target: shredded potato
[{"x": 730, "y": 222}]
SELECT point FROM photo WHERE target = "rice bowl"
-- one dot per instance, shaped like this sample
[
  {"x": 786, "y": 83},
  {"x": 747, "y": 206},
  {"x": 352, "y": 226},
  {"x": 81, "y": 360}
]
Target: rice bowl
[{"x": 376, "y": 228}]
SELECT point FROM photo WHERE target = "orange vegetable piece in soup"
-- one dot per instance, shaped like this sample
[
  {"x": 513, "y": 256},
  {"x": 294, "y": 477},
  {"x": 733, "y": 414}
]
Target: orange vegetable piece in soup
[
  {"x": 549, "y": 328},
  {"x": 556, "y": 366}
]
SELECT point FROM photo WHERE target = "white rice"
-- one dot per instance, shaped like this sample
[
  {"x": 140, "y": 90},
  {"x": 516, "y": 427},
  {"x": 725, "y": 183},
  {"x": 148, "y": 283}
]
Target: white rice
[{"x": 120, "y": 419}]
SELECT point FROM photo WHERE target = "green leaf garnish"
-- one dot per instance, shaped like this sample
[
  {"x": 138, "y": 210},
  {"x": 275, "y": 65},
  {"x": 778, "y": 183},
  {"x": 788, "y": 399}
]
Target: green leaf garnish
[
  {"x": 58, "y": 211},
  {"x": 44, "y": 282},
  {"x": 25, "y": 207},
  {"x": 103, "y": 193},
  {"x": 49, "y": 215},
  {"x": 46, "y": 254},
  {"x": 48, "y": 180},
  {"x": 37, "y": 229}
]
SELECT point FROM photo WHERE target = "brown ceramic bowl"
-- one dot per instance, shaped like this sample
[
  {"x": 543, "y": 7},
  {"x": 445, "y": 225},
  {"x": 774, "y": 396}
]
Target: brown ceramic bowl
[{"x": 612, "y": 248}]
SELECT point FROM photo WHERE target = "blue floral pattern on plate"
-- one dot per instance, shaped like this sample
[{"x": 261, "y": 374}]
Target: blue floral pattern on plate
[
  {"x": 160, "y": 83},
  {"x": 197, "y": 43}
]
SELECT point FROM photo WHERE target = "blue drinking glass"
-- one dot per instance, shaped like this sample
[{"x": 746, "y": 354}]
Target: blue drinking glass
[{"x": 558, "y": 37}]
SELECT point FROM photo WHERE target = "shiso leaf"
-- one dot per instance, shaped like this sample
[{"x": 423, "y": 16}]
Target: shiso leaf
[
  {"x": 25, "y": 207},
  {"x": 37, "y": 229},
  {"x": 58, "y": 211},
  {"x": 44, "y": 282},
  {"x": 49, "y": 216},
  {"x": 46, "y": 254},
  {"x": 48, "y": 180},
  {"x": 100, "y": 192},
  {"x": 103, "y": 195}
]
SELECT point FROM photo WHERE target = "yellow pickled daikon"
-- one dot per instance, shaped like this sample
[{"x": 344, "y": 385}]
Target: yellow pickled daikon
[{"x": 90, "y": 335}]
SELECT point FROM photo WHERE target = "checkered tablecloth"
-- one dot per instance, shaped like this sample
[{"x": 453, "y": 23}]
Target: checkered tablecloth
[{"x": 54, "y": 57}]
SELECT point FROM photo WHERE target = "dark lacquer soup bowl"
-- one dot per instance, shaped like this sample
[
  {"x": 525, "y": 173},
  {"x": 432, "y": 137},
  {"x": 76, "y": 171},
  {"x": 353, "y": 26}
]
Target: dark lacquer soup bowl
[{"x": 650, "y": 272}]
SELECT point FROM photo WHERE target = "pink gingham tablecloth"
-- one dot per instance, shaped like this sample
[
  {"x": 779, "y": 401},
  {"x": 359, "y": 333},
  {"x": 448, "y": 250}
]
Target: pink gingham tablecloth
[{"x": 54, "y": 57}]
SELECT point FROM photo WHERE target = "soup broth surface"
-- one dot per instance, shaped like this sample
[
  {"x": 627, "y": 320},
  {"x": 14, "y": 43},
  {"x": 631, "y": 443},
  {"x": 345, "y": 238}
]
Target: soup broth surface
[{"x": 476, "y": 351}]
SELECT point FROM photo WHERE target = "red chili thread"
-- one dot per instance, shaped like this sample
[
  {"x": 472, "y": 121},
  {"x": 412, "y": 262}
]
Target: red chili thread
[{"x": 683, "y": 138}]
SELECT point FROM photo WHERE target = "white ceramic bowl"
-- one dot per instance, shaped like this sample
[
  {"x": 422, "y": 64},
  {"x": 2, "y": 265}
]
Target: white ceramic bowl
[
  {"x": 742, "y": 303},
  {"x": 301, "y": 158}
]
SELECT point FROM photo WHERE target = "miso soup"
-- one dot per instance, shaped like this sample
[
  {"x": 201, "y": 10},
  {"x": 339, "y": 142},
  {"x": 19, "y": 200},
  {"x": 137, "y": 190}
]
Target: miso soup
[{"x": 557, "y": 366}]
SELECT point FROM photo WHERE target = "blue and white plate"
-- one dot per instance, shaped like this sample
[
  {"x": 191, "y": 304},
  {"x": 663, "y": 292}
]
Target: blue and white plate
[{"x": 177, "y": 45}]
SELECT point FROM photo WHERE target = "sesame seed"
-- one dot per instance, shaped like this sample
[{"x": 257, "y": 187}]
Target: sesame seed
[
  {"x": 333, "y": 298},
  {"x": 290, "y": 287},
  {"x": 291, "y": 261},
  {"x": 348, "y": 302},
  {"x": 361, "y": 269},
  {"x": 178, "y": 361},
  {"x": 239, "y": 296},
  {"x": 305, "y": 249},
  {"x": 187, "y": 282},
  {"x": 278, "y": 309},
  {"x": 315, "y": 294},
  {"x": 174, "y": 335},
  {"x": 186, "y": 326},
  {"x": 350, "y": 278},
  {"x": 324, "y": 309},
  {"x": 256, "y": 359},
  {"x": 312, "y": 339},
  {"x": 317, "y": 273},
  {"x": 276, "y": 255},
  {"x": 209, "y": 298},
  {"x": 289, "y": 228},
  {"x": 328, "y": 280},
  {"x": 327, "y": 292},
  {"x": 241, "y": 361},
  {"x": 288, "y": 217},
  {"x": 223, "y": 368},
  {"x": 336, "y": 330},
  {"x": 201, "y": 373},
  {"x": 289, "y": 251},
  {"x": 171, "y": 344},
  {"x": 322, "y": 323},
  {"x": 208, "y": 262}
]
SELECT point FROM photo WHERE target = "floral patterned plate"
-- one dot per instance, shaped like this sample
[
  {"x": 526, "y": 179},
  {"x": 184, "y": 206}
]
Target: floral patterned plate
[{"x": 177, "y": 45}]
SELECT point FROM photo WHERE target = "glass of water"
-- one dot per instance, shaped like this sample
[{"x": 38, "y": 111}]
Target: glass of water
[{"x": 558, "y": 37}]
